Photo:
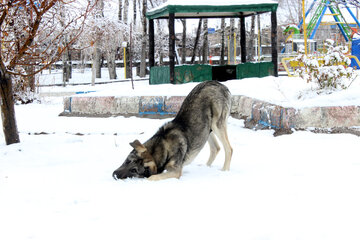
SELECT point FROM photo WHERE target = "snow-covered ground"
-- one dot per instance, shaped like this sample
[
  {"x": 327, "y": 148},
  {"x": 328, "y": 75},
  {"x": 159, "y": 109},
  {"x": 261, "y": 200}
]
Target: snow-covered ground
[{"x": 59, "y": 185}]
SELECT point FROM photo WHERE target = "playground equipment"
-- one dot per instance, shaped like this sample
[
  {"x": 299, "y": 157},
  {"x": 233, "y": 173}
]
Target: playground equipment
[
  {"x": 295, "y": 38},
  {"x": 321, "y": 7},
  {"x": 319, "y": 13}
]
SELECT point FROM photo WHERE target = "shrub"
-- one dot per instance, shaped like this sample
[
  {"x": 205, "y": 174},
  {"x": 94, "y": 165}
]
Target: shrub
[
  {"x": 330, "y": 72},
  {"x": 23, "y": 94}
]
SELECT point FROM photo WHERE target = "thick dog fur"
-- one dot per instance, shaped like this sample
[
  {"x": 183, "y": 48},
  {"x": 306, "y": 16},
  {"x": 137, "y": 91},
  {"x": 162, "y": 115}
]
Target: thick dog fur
[{"x": 202, "y": 116}]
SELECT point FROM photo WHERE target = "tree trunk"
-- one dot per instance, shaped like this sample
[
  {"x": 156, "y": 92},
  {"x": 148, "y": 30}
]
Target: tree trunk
[
  {"x": 98, "y": 55},
  {"x": 200, "y": 55},
  {"x": 251, "y": 49},
  {"x": 93, "y": 67},
  {"x": 143, "y": 41},
  {"x": 161, "y": 58},
  {"x": 31, "y": 77},
  {"x": 231, "y": 42},
  {"x": 82, "y": 61},
  {"x": 65, "y": 55},
  {"x": 183, "y": 42},
  {"x": 70, "y": 65},
  {"x": 196, "y": 41},
  {"x": 259, "y": 38},
  {"x": 66, "y": 67},
  {"x": 126, "y": 10},
  {"x": 120, "y": 10},
  {"x": 205, "y": 48},
  {"x": 222, "y": 52},
  {"x": 97, "y": 61},
  {"x": 8, "y": 110},
  {"x": 135, "y": 14},
  {"x": 111, "y": 55}
]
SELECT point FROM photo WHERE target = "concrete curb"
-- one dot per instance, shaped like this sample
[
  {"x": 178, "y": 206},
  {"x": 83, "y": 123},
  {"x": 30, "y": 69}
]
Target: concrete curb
[
  {"x": 243, "y": 107},
  {"x": 144, "y": 106}
]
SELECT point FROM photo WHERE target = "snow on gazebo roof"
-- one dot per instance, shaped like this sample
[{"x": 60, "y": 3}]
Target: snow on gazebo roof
[{"x": 212, "y": 8}]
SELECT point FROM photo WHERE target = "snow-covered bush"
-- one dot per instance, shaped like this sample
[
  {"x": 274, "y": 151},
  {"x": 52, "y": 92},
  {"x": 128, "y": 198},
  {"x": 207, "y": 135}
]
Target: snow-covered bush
[
  {"x": 330, "y": 72},
  {"x": 23, "y": 94}
]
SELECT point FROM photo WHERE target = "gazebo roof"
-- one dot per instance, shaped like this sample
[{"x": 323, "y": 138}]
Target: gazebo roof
[{"x": 212, "y": 8}]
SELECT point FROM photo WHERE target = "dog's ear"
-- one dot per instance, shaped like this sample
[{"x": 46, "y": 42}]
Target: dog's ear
[
  {"x": 138, "y": 146},
  {"x": 148, "y": 160}
]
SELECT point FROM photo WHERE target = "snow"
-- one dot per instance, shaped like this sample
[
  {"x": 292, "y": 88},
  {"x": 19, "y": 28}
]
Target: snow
[
  {"x": 60, "y": 186},
  {"x": 217, "y": 2},
  {"x": 288, "y": 92},
  {"x": 356, "y": 36},
  {"x": 212, "y": 3}
]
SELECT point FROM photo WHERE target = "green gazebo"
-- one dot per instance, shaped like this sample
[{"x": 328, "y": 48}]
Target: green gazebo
[{"x": 175, "y": 9}]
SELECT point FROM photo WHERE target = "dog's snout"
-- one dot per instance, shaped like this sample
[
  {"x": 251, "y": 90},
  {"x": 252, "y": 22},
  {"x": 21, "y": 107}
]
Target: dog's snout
[{"x": 116, "y": 175}]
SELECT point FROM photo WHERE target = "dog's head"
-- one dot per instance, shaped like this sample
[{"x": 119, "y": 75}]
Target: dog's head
[{"x": 139, "y": 163}]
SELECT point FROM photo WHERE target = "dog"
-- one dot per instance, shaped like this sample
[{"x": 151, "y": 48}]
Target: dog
[{"x": 202, "y": 117}]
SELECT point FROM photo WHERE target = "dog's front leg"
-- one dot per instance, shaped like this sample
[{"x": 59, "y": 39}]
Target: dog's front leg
[
  {"x": 165, "y": 175},
  {"x": 172, "y": 171}
]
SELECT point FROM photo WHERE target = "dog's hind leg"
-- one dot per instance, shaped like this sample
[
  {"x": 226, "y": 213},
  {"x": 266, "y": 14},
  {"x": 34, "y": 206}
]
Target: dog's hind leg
[
  {"x": 221, "y": 132},
  {"x": 214, "y": 149}
]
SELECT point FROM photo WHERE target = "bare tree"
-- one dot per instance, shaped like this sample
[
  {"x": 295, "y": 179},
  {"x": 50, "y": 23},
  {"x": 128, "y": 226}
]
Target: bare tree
[
  {"x": 120, "y": 11},
  {"x": 222, "y": 51},
  {"x": 258, "y": 37},
  {"x": 205, "y": 46},
  {"x": 126, "y": 11},
  {"x": 251, "y": 49},
  {"x": 292, "y": 10},
  {"x": 65, "y": 56},
  {"x": 37, "y": 42},
  {"x": 196, "y": 41},
  {"x": 135, "y": 14},
  {"x": 231, "y": 41},
  {"x": 183, "y": 42},
  {"x": 99, "y": 15},
  {"x": 161, "y": 36},
  {"x": 107, "y": 34},
  {"x": 110, "y": 57}
]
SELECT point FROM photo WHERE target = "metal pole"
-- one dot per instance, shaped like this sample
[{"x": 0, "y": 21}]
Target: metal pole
[
  {"x": 229, "y": 50},
  {"x": 304, "y": 26},
  {"x": 234, "y": 48},
  {"x": 172, "y": 47},
  {"x": 242, "y": 38},
  {"x": 274, "y": 53}
]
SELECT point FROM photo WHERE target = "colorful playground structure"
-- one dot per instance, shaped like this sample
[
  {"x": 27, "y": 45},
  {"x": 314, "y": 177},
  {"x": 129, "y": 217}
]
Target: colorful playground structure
[{"x": 318, "y": 9}]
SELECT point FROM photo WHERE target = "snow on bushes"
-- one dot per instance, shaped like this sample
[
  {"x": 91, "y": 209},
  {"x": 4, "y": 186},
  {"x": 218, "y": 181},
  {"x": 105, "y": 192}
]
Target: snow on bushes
[
  {"x": 329, "y": 72},
  {"x": 22, "y": 90}
]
